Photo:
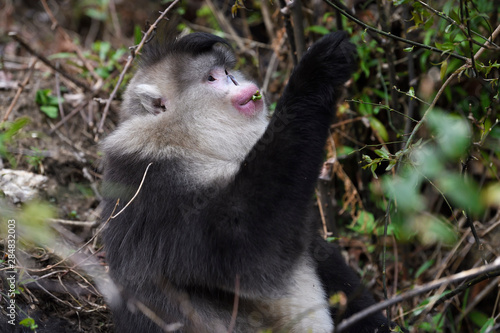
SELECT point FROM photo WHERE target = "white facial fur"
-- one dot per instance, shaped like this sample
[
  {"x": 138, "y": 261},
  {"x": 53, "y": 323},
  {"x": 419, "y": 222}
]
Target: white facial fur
[{"x": 193, "y": 118}]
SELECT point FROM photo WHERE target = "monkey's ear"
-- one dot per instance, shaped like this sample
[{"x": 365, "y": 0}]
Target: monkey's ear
[{"x": 151, "y": 98}]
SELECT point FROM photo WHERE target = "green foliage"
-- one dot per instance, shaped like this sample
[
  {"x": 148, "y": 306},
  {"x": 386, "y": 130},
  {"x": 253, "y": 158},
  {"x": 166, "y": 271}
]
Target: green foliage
[
  {"x": 49, "y": 104},
  {"x": 36, "y": 159},
  {"x": 105, "y": 60},
  {"x": 96, "y": 9},
  {"x": 435, "y": 325},
  {"x": 33, "y": 225},
  {"x": 8, "y": 131},
  {"x": 29, "y": 323},
  {"x": 206, "y": 13},
  {"x": 488, "y": 326},
  {"x": 479, "y": 318},
  {"x": 425, "y": 266},
  {"x": 427, "y": 162},
  {"x": 108, "y": 59},
  {"x": 319, "y": 29},
  {"x": 365, "y": 223}
]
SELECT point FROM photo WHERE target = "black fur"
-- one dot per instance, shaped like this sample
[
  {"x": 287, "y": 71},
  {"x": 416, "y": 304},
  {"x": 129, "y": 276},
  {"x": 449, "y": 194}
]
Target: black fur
[
  {"x": 192, "y": 45},
  {"x": 179, "y": 250}
]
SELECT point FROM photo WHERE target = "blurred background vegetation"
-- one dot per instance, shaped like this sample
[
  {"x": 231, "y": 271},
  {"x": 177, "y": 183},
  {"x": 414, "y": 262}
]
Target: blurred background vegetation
[{"x": 410, "y": 188}]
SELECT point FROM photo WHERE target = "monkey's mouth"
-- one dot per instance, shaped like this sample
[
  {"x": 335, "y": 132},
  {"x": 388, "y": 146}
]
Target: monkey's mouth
[{"x": 249, "y": 101}]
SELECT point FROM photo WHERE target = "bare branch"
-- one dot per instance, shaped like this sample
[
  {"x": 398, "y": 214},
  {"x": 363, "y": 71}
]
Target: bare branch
[{"x": 486, "y": 271}]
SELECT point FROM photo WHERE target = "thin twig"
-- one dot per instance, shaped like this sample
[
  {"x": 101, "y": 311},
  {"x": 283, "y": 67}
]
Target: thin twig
[
  {"x": 334, "y": 4},
  {"x": 68, "y": 116},
  {"x": 289, "y": 30},
  {"x": 445, "y": 84},
  {"x": 20, "y": 89},
  {"x": 136, "y": 193},
  {"x": 298, "y": 27},
  {"x": 79, "y": 249},
  {"x": 234, "y": 315},
  {"x": 464, "y": 11},
  {"x": 131, "y": 57},
  {"x": 411, "y": 73},
  {"x": 59, "y": 98},
  {"x": 455, "y": 23},
  {"x": 485, "y": 271},
  {"x": 114, "y": 19},
  {"x": 75, "y": 223},
  {"x": 67, "y": 38},
  {"x": 48, "y": 62}
]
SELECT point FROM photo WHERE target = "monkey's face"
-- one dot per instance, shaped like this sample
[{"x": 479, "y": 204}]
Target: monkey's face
[
  {"x": 226, "y": 111},
  {"x": 198, "y": 104},
  {"x": 208, "y": 84}
]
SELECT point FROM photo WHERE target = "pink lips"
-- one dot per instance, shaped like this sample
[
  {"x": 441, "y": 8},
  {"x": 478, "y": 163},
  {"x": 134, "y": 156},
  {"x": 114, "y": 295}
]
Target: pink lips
[{"x": 244, "y": 103}]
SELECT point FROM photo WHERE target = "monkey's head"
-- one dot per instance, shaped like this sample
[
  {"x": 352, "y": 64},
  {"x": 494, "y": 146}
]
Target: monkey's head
[
  {"x": 193, "y": 73},
  {"x": 187, "y": 94}
]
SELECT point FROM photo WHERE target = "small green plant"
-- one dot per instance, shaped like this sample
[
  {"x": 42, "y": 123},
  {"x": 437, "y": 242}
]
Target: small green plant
[
  {"x": 7, "y": 132},
  {"x": 36, "y": 159},
  {"x": 29, "y": 323},
  {"x": 49, "y": 104},
  {"x": 96, "y": 9},
  {"x": 107, "y": 58},
  {"x": 104, "y": 58}
]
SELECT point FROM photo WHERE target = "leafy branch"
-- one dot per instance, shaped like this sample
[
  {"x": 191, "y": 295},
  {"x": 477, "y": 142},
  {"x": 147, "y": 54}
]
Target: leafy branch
[{"x": 338, "y": 6}]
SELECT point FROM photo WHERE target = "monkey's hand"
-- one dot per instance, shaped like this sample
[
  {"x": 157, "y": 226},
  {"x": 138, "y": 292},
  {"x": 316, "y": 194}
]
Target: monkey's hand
[{"x": 327, "y": 64}]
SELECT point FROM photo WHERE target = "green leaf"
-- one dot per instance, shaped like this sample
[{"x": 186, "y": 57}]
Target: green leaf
[
  {"x": 444, "y": 67},
  {"x": 137, "y": 34},
  {"x": 491, "y": 195},
  {"x": 411, "y": 92},
  {"x": 373, "y": 168},
  {"x": 382, "y": 153},
  {"x": 432, "y": 229},
  {"x": 344, "y": 151},
  {"x": 392, "y": 164},
  {"x": 53, "y": 100},
  {"x": 378, "y": 128},
  {"x": 428, "y": 160},
  {"x": 50, "y": 111},
  {"x": 41, "y": 96},
  {"x": 104, "y": 48},
  {"x": 367, "y": 222},
  {"x": 488, "y": 325},
  {"x": 404, "y": 190},
  {"x": 33, "y": 223},
  {"x": 13, "y": 127},
  {"x": 96, "y": 14},
  {"x": 319, "y": 29},
  {"x": 118, "y": 54},
  {"x": 425, "y": 266},
  {"x": 478, "y": 318},
  {"x": 28, "y": 322},
  {"x": 416, "y": 18},
  {"x": 408, "y": 49},
  {"x": 453, "y": 133},
  {"x": 102, "y": 72},
  {"x": 464, "y": 194}
]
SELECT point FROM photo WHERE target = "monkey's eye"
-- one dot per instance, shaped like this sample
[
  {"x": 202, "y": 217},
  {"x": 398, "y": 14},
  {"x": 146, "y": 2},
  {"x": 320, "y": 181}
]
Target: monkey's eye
[{"x": 211, "y": 78}]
